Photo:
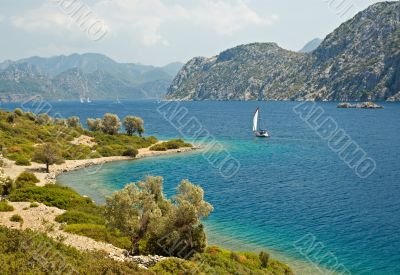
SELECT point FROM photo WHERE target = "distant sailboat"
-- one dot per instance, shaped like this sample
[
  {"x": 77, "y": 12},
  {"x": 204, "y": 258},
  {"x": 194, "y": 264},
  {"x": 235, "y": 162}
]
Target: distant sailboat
[
  {"x": 81, "y": 99},
  {"x": 258, "y": 132},
  {"x": 88, "y": 100}
]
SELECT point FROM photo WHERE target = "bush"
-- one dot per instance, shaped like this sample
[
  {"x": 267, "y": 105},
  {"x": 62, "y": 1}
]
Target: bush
[
  {"x": 158, "y": 147},
  {"x": 22, "y": 161},
  {"x": 51, "y": 195},
  {"x": 18, "y": 112},
  {"x": 16, "y": 218},
  {"x": 34, "y": 205},
  {"x": 10, "y": 118},
  {"x": 174, "y": 266},
  {"x": 264, "y": 258},
  {"x": 5, "y": 207},
  {"x": 78, "y": 217},
  {"x": 26, "y": 179},
  {"x": 169, "y": 145},
  {"x": 131, "y": 152}
]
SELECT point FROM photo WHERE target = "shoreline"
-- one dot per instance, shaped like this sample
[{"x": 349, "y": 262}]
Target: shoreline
[{"x": 13, "y": 171}]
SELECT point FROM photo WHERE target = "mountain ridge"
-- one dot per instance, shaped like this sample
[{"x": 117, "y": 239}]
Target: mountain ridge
[
  {"x": 358, "y": 61},
  {"x": 88, "y": 75}
]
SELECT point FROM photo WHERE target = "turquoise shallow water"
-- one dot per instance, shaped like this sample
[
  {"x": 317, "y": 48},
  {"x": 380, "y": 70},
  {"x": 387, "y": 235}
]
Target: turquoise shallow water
[{"x": 289, "y": 187}]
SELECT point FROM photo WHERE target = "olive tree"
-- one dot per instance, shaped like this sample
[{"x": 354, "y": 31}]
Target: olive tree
[
  {"x": 133, "y": 124},
  {"x": 170, "y": 228},
  {"x": 111, "y": 124},
  {"x": 48, "y": 154},
  {"x": 135, "y": 210},
  {"x": 94, "y": 125},
  {"x": 73, "y": 121}
]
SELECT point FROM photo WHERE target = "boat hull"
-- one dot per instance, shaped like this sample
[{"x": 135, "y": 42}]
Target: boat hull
[{"x": 261, "y": 134}]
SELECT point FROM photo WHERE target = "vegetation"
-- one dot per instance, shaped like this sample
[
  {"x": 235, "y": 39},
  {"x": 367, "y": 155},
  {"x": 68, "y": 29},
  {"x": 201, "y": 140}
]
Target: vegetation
[
  {"x": 22, "y": 161},
  {"x": 171, "y": 225},
  {"x": 5, "y": 207},
  {"x": 168, "y": 145},
  {"x": 29, "y": 252},
  {"x": 48, "y": 154},
  {"x": 110, "y": 124},
  {"x": 142, "y": 212},
  {"x": 218, "y": 261},
  {"x": 16, "y": 218},
  {"x": 52, "y": 195},
  {"x": 26, "y": 179},
  {"x": 133, "y": 125},
  {"x": 33, "y": 205},
  {"x": 6, "y": 183}
]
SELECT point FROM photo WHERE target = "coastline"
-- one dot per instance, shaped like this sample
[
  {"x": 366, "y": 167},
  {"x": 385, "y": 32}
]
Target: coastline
[{"x": 13, "y": 171}]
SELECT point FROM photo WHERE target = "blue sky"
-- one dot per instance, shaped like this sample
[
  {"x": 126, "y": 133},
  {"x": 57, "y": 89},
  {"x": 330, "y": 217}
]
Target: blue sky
[{"x": 158, "y": 32}]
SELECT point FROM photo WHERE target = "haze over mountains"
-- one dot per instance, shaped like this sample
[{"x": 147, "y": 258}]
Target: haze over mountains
[
  {"x": 360, "y": 60},
  {"x": 76, "y": 76}
]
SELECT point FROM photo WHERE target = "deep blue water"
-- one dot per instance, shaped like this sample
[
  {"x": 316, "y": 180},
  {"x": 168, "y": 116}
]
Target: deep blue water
[{"x": 289, "y": 186}]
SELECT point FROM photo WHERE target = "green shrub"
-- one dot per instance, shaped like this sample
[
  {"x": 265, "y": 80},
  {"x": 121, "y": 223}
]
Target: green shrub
[
  {"x": 131, "y": 152},
  {"x": 5, "y": 207},
  {"x": 99, "y": 233},
  {"x": 175, "y": 266},
  {"x": 22, "y": 161},
  {"x": 51, "y": 195},
  {"x": 76, "y": 217},
  {"x": 26, "y": 179},
  {"x": 34, "y": 205},
  {"x": 16, "y": 218},
  {"x": 159, "y": 147},
  {"x": 18, "y": 112},
  {"x": 169, "y": 145},
  {"x": 10, "y": 118},
  {"x": 264, "y": 258}
]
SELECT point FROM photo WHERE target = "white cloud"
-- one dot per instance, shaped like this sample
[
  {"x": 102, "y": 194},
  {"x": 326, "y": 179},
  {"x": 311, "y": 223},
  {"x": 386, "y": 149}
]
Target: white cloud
[{"x": 144, "y": 20}]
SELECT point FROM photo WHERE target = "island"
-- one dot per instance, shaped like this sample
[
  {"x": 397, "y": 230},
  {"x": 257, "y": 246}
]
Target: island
[{"x": 363, "y": 105}]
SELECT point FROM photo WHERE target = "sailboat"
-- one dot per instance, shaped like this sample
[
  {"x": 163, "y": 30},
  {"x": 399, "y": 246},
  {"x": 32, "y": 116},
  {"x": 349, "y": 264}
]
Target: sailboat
[
  {"x": 258, "y": 132},
  {"x": 88, "y": 100}
]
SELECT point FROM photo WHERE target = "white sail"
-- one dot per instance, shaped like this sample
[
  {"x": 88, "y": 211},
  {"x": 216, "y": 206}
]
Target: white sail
[{"x": 255, "y": 120}]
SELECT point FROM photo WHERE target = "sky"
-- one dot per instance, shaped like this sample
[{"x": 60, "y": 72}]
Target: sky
[{"x": 158, "y": 32}]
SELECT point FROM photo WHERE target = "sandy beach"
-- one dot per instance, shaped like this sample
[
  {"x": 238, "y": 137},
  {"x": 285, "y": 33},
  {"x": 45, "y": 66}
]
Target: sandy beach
[{"x": 12, "y": 170}]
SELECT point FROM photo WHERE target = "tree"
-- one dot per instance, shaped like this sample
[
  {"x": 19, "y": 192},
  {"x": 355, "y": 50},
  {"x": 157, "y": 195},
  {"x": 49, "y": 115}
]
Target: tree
[
  {"x": 170, "y": 228},
  {"x": 94, "y": 125},
  {"x": 48, "y": 154},
  {"x": 73, "y": 121},
  {"x": 133, "y": 124},
  {"x": 111, "y": 124},
  {"x": 135, "y": 210}
]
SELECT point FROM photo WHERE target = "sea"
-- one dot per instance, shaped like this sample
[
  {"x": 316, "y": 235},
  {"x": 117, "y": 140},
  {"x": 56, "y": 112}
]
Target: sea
[{"x": 297, "y": 194}]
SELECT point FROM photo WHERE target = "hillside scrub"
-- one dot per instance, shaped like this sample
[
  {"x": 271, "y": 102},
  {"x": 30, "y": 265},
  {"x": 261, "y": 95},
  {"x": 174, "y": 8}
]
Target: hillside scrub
[{"x": 29, "y": 252}]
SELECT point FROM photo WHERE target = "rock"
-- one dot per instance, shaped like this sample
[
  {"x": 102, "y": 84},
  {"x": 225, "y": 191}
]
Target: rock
[
  {"x": 146, "y": 261},
  {"x": 364, "y": 105}
]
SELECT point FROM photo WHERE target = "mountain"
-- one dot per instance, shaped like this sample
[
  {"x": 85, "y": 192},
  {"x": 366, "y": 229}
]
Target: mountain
[
  {"x": 80, "y": 76},
  {"x": 311, "y": 46},
  {"x": 360, "y": 60}
]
